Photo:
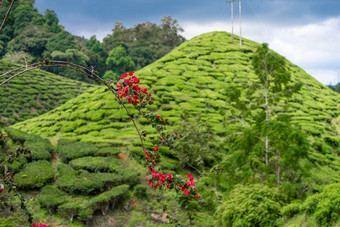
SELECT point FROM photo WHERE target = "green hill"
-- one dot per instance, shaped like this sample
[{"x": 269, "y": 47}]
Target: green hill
[
  {"x": 34, "y": 93},
  {"x": 193, "y": 77},
  {"x": 190, "y": 80}
]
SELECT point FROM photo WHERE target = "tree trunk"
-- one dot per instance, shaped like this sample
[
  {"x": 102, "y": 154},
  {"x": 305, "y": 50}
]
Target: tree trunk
[{"x": 267, "y": 150}]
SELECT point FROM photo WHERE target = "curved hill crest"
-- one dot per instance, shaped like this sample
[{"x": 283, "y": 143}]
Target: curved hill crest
[
  {"x": 193, "y": 77},
  {"x": 34, "y": 93}
]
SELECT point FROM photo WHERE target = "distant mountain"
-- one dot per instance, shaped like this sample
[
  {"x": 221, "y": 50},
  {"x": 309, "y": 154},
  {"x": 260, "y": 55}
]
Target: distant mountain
[{"x": 34, "y": 93}]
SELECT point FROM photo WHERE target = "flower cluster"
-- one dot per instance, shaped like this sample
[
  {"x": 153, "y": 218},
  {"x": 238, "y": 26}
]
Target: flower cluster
[
  {"x": 128, "y": 88},
  {"x": 152, "y": 156},
  {"x": 40, "y": 225},
  {"x": 156, "y": 179}
]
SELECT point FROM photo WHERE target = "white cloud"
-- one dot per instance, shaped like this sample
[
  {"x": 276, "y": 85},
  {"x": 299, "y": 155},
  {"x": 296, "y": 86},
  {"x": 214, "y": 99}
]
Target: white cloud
[{"x": 313, "y": 47}]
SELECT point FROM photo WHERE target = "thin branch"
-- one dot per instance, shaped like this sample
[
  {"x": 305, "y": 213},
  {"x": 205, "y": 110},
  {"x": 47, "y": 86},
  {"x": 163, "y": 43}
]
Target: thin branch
[
  {"x": 15, "y": 75},
  {"x": 5, "y": 19}
]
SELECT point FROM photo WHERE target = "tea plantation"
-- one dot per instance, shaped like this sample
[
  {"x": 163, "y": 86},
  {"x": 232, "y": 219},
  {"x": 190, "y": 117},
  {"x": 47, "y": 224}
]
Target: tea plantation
[
  {"x": 34, "y": 93},
  {"x": 83, "y": 181}
]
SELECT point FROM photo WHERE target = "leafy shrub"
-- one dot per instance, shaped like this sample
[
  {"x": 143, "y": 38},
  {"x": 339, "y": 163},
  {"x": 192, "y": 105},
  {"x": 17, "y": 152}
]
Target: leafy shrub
[
  {"x": 108, "y": 151},
  {"x": 41, "y": 148},
  {"x": 324, "y": 206},
  {"x": 95, "y": 163},
  {"x": 16, "y": 135},
  {"x": 17, "y": 164},
  {"x": 140, "y": 190},
  {"x": 251, "y": 205},
  {"x": 69, "y": 210},
  {"x": 35, "y": 175},
  {"x": 69, "y": 150},
  {"x": 51, "y": 197},
  {"x": 291, "y": 209},
  {"x": 110, "y": 198},
  {"x": 78, "y": 182}
]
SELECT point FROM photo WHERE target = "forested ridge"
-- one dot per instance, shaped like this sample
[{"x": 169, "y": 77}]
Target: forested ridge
[
  {"x": 260, "y": 136},
  {"x": 30, "y": 36}
]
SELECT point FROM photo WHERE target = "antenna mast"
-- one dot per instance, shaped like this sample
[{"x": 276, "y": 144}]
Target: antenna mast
[
  {"x": 240, "y": 23},
  {"x": 232, "y": 22}
]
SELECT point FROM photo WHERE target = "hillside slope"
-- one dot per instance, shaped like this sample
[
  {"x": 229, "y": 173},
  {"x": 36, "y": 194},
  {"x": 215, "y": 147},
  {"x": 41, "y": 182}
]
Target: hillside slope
[
  {"x": 34, "y": 93},
  {"x": 193, "y": 78}
]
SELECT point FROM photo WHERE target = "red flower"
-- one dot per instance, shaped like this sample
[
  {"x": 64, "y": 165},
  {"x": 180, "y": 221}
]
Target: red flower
[
  {"x": 168, "y": 186},
  {"x": 156, "y": 149},
  {"x": 197, "y": 196},
  {"x": 186, "y": 192},
  {"x": 130, "y": 73}
]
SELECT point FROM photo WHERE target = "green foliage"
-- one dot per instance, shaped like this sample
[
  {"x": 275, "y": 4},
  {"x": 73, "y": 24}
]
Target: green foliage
[
  {"x": 110, "y": 75},
  {"x": 34, "y": 93},
  {"x": 118, "y": 60},
  {"x": 95, "y": 164},
  {"x": 140, "y": 191},
  {"x": 41, "y": 148},
  {"x": 251, "y": 205},
  {"x": 78, "y": 182},
  {"x": 197, "y": 143},
  {"x": 35, "y": 175},
  {"x": 324, "y": 206},
  {"x": 69, "y": 150},
  {"x": 109, "y": 198},
  {"x": 51, "y": 197}
]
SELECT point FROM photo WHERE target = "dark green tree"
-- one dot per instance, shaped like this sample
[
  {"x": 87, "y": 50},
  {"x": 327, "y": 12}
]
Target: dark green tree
[
  {"x": 52, "y": 21},
  {"x": 32, "y": 40},
  {"x": 118, "y": 60},
  {"x": 266, "y": 146}
]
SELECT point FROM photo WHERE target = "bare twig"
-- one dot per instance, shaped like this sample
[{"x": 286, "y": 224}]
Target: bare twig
[{"x": 6, "y": 16}]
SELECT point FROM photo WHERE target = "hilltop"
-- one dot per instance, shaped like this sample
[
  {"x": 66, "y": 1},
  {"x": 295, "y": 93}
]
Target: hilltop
[
  {"x": 34, "y": 93},
  {"x": 193, "y": 78}
]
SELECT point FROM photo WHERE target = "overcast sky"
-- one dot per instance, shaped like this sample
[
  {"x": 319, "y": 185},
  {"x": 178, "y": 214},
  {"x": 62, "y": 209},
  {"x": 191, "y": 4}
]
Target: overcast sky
[{"x": 306, "y": 32}]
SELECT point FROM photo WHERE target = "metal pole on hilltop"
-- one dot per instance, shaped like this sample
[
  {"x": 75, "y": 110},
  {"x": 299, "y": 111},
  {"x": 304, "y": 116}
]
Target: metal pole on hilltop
[
  {"x": 232, "y": 22},
  {"x": 240, "y": 23}
]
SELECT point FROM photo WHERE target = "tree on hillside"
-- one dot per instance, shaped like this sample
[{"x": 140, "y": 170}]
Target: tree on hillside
[
  {"x": 118, "y": 60},
  {"x": 145, "y": 42},
  {"x": 32, "y": 40},
  {"x": 267, "y": 146},
  {"x": 52, "y": 21}
]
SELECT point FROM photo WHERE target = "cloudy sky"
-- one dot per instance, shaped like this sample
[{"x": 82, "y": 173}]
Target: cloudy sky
[{"x": 306, "y": 32}]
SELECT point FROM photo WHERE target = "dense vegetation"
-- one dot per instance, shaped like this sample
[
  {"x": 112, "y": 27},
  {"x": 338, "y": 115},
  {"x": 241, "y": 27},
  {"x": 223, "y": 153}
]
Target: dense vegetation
[
  {"x": 34, "y": 93},
  {"x": 31, "y": 36},
  {"x": 211, "y": 92}
]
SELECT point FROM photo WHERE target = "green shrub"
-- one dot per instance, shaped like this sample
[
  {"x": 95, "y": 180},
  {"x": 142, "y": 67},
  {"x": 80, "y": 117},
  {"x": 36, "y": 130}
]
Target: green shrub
[
  {"x": 79, "y": 182},
  {"x": 6, "y": 223},
  {"x": 108, "y": 151},
  {"x": 110, "y": 198},
  {"x": 95, "y": 163},
  {"x": 251, "y": 205},
  {"x": 69, "y": 210},
  {"x": 16, "y": 135},
  {"x": 140, "y": 190},
  {"x": 69, "y": 150},
  {"x": 41, "y": 148},
  {"x": 17, "y": 164},
  {"x": 35, "y": 175},
  {"x": 291, "y": 209},
  {"x": 324, "y": 206},
  {"x": 51, "y": 197}
]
